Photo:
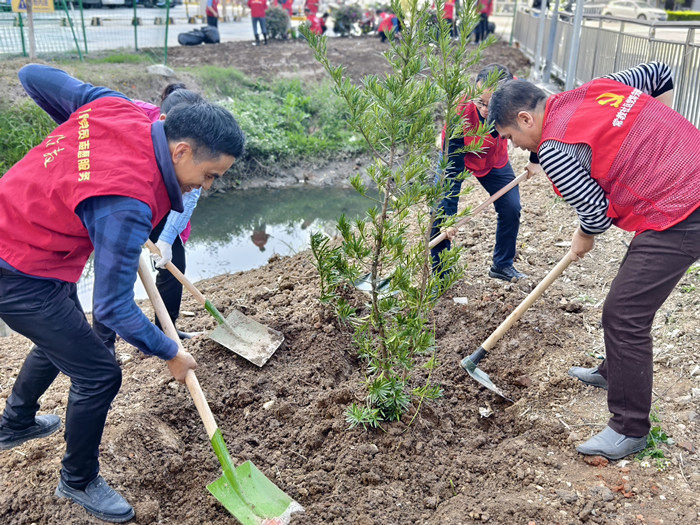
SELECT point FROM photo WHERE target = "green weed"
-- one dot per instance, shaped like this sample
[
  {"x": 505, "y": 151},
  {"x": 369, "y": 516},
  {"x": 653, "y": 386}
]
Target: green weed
[{"x": 21, "y": 127}]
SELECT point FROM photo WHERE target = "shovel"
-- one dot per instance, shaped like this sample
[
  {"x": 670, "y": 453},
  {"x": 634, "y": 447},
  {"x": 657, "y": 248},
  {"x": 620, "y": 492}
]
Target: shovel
[
  {"x": 469, "y": 363},
  {"x": 245, "y": 336},
  {"x": 363, "y": 282},
  {"x": 244, "y": 490}
]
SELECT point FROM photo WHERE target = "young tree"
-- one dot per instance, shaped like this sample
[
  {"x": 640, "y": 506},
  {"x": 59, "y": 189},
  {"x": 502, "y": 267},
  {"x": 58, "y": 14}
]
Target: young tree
[{"x": 398, "y": 115}]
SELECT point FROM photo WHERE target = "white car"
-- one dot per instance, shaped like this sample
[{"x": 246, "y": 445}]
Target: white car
[{"x": 634, "y": 9}]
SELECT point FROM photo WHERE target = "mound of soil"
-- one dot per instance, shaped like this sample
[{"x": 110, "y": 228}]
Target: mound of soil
[{"x": 469, "y": 457}]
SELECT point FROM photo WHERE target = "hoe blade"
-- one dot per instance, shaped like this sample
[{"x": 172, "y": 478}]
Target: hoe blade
[
  {"x": 258, "y": 502},
  {"x": 481, "y": 376}
]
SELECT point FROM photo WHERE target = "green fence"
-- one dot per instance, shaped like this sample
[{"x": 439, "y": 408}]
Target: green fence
[{"x": 71, "y": 30}]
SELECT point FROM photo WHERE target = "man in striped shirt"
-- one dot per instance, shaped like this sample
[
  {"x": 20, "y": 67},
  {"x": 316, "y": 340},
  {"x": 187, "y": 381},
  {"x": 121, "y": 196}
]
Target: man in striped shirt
[{"x": 617, "y": 152}]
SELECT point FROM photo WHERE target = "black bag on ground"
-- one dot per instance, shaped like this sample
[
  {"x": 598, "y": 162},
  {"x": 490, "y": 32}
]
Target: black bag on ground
[
  {"x": 211, "y": 35},
  {"x": 191, "y": 38}
]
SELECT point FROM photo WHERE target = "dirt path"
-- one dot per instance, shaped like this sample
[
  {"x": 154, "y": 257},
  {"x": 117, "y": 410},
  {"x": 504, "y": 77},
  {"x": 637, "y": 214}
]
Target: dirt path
[{"x": 468, "y": 458}]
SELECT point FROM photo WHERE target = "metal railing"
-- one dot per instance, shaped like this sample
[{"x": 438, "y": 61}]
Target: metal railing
[{"x": 611, "y": 44}]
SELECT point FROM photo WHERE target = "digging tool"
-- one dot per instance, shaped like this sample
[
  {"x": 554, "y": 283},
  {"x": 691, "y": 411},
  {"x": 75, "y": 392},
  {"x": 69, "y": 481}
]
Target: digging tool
[
  {"x": 245, "y": 491},
  {"x": 481, "y": 207},
  {"x": 363, "y": 282},
  {"x": 469, "y": 363},
  {"x": 245, "y": 336}
]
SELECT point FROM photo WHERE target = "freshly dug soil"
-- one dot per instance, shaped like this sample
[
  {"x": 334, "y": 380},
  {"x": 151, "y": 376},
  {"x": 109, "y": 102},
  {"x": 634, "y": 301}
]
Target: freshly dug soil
[{"x": 469, "y": 457}]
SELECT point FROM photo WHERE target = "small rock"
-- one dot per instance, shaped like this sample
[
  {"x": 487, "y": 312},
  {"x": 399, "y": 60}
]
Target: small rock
[
  {"x": 687, "y": 445},
  {"x": 683, "y": 400},
  {"x": 268, "y": 404},
  {"x": 524, "y": 381},
  {"x": 160, "y": 69},
  {"x": 596, "y": 461},
  {"x": 602, "y": 493},
  {"x": 125, "y": 359},
  {"x": 567, "y": 496},
  {"x": 695, "y": 392},
  {"x": 461, "y": 300}
]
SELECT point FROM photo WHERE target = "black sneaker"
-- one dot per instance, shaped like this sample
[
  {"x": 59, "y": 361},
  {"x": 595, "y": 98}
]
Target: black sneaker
[
  {"x": 508, "y": 273},
  {"x": 43, "y": 426},
  {"x": 99, "y": 499}
]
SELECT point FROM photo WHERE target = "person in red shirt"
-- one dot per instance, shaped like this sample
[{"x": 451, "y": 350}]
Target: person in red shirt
[
  {"x": 212, "y": 12},
  {"x": 485, "y": 9},
  {"x": 386, "y": 24},
  {"x": 287, "y": 6},
  {"x": 316, "y": 25},
  {"x": 311, "y": 5},
  {"x": 493, "y": 171},
  {"x": 257, "y": 15},
  {"x": 605, "y": 146},
  {"x": 448, "y": 13}
]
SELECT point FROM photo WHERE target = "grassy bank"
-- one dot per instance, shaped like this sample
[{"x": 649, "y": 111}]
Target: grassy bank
[{"x": 285, "y": 122}]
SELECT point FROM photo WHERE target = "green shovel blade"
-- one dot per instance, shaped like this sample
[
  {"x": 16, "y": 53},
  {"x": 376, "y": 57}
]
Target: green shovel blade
[{"x": 247, "y": 493}]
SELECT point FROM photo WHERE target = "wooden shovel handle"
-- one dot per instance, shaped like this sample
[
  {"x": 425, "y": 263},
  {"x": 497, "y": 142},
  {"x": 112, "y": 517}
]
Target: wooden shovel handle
[
  {"x": 527, "y": 302},
  {"x": 190, "y": 379},
  {"x": 178, "y": 275},
  {"x": 505, "y": 189}
]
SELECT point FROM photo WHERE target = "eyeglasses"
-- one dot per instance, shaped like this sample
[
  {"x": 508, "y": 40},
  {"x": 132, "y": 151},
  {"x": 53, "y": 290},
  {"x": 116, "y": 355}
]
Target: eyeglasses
[{"x": 480, "y": 103}]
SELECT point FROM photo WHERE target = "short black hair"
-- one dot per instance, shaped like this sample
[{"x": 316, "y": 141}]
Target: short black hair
[
  {"x": 492, "y": 70},
  {"x": 170, "y": 88},
  {"x": 210, "y": 129},
  {"x": 511, "y": 98},
  {"x": 179, "y": 96}
]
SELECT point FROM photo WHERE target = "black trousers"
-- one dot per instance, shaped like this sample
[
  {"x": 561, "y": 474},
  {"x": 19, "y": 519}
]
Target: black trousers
[
  {"x": 168, "y": 286},
  {"x": 48, "y": 312},
  {"x": 653, "y": 265}
]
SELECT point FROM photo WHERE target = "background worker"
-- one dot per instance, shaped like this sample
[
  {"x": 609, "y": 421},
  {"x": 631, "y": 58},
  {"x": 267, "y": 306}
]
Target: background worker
[
  {"x": 93, "y": 185},
  {"x": 485, "y": 10},
  {"x": 212, "y": 13},
  {"x": 48, "y": 89},
  {"x": 605, "y": 148},
  {"x": 492, "y": 169},
  {"x": 257, "y": 16}
]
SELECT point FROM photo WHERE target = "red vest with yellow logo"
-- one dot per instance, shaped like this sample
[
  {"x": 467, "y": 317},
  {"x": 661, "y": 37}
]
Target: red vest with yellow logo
[
  {"x": 495, "y": 150},
  {"x": 646, "y": 157},
  {"x": 104, "y": 148}
]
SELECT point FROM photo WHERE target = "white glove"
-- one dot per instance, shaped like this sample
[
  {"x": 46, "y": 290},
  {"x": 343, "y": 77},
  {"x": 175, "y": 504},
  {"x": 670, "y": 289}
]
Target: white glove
[{"x": 166, "y": 254}]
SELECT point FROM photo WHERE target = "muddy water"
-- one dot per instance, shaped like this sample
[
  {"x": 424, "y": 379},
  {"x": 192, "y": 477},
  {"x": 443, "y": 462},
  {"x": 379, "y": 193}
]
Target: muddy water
[{"x": 241, "y": 230}]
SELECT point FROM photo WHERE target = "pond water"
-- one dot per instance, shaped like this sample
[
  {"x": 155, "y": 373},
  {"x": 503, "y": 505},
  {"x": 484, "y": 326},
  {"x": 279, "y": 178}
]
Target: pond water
[{"x": 241, "y": 230}]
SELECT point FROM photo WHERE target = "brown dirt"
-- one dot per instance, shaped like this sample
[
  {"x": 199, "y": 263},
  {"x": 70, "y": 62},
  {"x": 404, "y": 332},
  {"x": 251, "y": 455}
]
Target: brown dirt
[{"x": 469, "y": 457}]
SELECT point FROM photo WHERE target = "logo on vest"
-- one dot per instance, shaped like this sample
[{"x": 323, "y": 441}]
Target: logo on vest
[
  {"x": 616, "y": 101},
  {"x": 610, "y": 98}
]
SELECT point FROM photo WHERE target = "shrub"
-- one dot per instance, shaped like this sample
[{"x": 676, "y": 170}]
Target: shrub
[
  {"x": 683, "y": 16},
  {"x": 22, "y": 127},
  {"x": 278, "y": 23},
  {"x": 345, "y": 17}
]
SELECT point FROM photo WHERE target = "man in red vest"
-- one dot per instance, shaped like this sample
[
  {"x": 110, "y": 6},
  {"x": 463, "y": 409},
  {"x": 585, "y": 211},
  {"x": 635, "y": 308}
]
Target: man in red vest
[
  {"x": 492, "y": 169},
  {"x": 98, "y": 183},
  {"x": 605, "y": 146},
  {"x": 257, "y": 16}
]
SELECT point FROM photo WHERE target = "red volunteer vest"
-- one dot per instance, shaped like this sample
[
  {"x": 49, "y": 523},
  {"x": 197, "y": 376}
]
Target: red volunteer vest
[
  {"x": 651, "y": 184},
  {"x": 495, "y": 150},
  {"x": 104, "y": 148},
  {"x": 315, "y": 24}
]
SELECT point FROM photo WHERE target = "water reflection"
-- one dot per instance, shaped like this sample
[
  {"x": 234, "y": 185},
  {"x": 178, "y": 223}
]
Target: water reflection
[{"x": 241, "y": 230}]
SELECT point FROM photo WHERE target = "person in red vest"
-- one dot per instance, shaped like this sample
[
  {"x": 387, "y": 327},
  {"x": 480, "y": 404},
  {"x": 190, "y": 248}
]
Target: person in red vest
[
  {"x": 605, "y": 146},
  {"x": 96, "y": 184},
  {"x": 311, "y": 5},
  {"x": 448, "y": 13},
  {"x": 316, "y": 25},
  {"x": 492, "y": 169},
  {"x": 257, "y": 15},
  {"x": 386, "y": 24},
  {"x": 212, "y": 12},
  {"x": 485, "y": 10}
]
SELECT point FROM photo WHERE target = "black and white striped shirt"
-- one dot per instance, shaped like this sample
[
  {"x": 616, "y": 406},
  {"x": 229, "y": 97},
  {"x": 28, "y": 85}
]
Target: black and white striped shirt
[{"x": 569, "y": 165}]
